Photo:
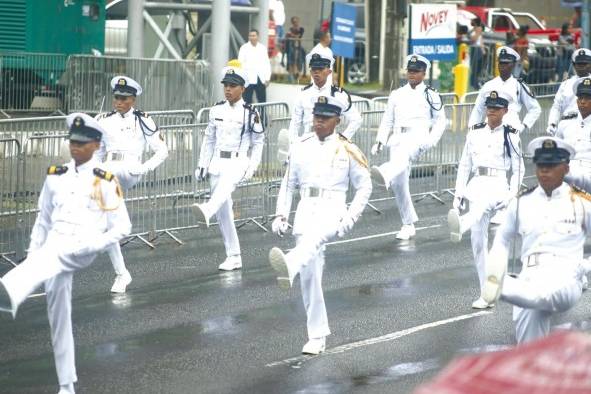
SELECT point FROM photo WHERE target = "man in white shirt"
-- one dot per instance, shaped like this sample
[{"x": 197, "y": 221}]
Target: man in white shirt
[
  {"x": 564, "y": 106},
  {"x": 254, "y": 59},
  {"x": 520, "y": 95}
]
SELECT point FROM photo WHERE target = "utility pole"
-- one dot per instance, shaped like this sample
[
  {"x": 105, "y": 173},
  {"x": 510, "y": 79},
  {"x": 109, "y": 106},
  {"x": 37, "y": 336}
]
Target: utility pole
[
  {"x": 220, "y": 42},
  {"x": 261, "y": 21},
  {"x": 394, "y": 12},
  {"x": 135, "y": 28},
  {"x": 585, "y": 22}
]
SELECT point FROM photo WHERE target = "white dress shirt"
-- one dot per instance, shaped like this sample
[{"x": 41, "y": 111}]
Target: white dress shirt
[
  {"x": 255, "y": 60},
  {"x": 565, "y": 101},
  {"x": 577, "y": 132},
  {"x": 519, "y": 98}
]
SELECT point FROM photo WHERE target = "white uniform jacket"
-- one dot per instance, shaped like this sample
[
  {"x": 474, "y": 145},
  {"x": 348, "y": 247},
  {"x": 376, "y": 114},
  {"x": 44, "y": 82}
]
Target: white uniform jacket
[
  {"x": 409, "y": 112},
  {"x": 487, "y": 150},
  {"x": 577, "y": 132},
  {"x": 322, "y": 170},
  {"x": 127, "y": 135},
  {"x": 302, "y": 116},
  {"x": 565, "y": 102},
  {"x": 519, "y": 97},
  {"x": 81, "y": 204},
  {"x": 233, "y": 131}
]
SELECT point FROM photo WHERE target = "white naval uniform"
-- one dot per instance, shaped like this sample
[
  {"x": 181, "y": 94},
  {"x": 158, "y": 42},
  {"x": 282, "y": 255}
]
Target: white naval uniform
[
  {"x": 235, "y": 131},
  {"x": 71, "y": 228},
  {"x": 577, "y": 132},
  {"x": 482, "y": 180},
  {"x": 565, "y": 101},
  {"x": 122, "y": 147},
  {"x": 322, "y": 170},
  {"x": 553, "y": 231},
  {"x": 416, "y": 127},
  {"x": 303, "y": 117},
  {"x": 519, "y": 97}
]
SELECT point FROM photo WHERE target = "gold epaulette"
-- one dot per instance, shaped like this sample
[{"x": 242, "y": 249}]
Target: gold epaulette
[
  {"x": 354, "y": 151},
  {"x": 577, "y": 191},
  {"x": 57, "y": 170},
  {"x": 106, "y": 175}
]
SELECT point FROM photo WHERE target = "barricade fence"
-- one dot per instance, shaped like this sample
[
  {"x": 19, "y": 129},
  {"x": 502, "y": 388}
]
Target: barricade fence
[{"x": 160, "y": 203}]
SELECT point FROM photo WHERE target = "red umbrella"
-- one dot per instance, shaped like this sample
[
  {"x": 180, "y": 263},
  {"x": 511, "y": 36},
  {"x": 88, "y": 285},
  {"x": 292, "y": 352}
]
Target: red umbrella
[{"x": 558, "y": 364}]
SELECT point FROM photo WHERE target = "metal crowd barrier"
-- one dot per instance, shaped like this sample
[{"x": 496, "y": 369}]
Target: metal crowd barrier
[{"x": 160, "y": 203}]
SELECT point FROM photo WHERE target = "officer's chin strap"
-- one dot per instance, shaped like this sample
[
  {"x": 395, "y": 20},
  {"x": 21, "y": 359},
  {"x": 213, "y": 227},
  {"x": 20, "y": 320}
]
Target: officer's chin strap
[{"x": 97, "y": 195}]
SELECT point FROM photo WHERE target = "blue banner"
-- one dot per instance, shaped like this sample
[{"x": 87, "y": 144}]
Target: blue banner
[
  {"x": 343, "y": 30},
  {"x": 434, "y": 48}
]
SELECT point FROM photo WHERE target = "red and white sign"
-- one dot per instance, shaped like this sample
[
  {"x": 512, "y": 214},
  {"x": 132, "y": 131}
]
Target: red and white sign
[{"x": 433, "y": 21}]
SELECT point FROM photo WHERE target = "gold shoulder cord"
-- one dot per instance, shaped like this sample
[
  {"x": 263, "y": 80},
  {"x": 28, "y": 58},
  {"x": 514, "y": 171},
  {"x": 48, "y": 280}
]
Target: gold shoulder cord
[
  {"x": 575, "y": 191},
  {"x": 97, "y": 194},
  {"x": 355, "y": 153}
]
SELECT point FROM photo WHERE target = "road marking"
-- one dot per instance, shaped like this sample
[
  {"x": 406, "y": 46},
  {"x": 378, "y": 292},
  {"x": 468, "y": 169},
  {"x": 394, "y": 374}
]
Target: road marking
[
  {"x": 380, "y": 339},
  {"x": 377, "y": 235}
]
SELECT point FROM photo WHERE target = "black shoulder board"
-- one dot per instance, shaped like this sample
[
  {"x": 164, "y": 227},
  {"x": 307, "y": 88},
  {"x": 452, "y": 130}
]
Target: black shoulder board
[
  {"x": 308, "y": 86},
  {"x": 105, "y": 115},
  {"x": 510, "y": 129},
  {"x": 219, "y": 103},
  {"x": 479, "y": 126},
  {"x": 140, "y": 113},
  {"x": 568, "y": 116},
  {"x": 100, "y": 173},
  {"x": 113, "y": 112},
  {"x": 57, "y": 170},
  {"x": 526, "y": 191}
]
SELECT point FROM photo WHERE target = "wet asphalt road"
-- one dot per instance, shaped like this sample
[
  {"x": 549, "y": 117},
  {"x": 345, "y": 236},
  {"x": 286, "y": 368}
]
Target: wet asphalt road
[{"x": 399, "y": 312}]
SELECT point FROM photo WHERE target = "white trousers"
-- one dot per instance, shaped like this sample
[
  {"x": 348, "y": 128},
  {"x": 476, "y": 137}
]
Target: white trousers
[
  {"x": 540, "y": 292},
  {"x": 50, "y": 266},
  {"x": 579, "y": 175},
  {"x": 307, "y": 259},
  {"x": 127, "y": 181},
  {"x": 396, "y": 172},
  {"x": 220, "y": 204}
]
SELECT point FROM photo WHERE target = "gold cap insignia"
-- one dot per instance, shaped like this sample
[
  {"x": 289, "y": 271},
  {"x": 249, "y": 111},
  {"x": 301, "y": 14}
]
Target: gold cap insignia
[
  {"x": 322, "y": 100},
  {"x": 582, "y": 52},
  {"x": 493, "y": 94},
  {"x": 78, "y": 121},
  {"x": 587, "y": 82},
  {"x": 503, "y": 51},
  {"x": 231, "y": 71},
  {"x": 122, "y": 82},
  {"x": 413, "y": 59},
  {"x": 315, "y": 56},
  {"x": 549, "y": 144}
]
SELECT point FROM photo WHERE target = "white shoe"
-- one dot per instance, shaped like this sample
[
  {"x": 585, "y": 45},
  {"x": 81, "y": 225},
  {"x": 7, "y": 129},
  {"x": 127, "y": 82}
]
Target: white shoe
[
  {"x": 377, "y": 177},
  {"x": 482, "y": 304},
  {"x": 121, "y": 282},
  {"x": 453, "y": 221},
  {"x": 66, "y": 389},
  {"x": 495, "y": 273},
  {"x": 231, "y": 263},
  {"x": 279, "y": 264},
  {"x": 201, "y": 213},
  {"x": 314, "y": 346},
  {"x": 407, "y": 231}
]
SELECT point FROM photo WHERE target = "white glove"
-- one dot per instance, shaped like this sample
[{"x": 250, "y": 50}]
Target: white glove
[
  {"x": 201, "y": 174},
  {"x": 458, "y": 202},
  {"x": 279, "y": 225},
  {"x": 504, "y": 202},
  {"x": 137, "y": 169},
  {"x": 345, "y": 226},
  {"x": 551, "y": 130},
  {"x": 376, "y": 148}
]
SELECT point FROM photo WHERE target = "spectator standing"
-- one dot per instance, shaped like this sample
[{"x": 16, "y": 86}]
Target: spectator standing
[
  {"x": 255, "y": 61},
  {"x": 278, "y": 10},
  {"x": 566, "y": 47},
  {"x": 520, "y": 45},
  {"x": 294, "y": 50},
  {"x": 476, "y": 52}
]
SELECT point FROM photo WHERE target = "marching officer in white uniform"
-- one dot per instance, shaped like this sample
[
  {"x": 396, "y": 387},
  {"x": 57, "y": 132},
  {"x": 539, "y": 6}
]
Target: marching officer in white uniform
[
  {"x": 577, "y": 132},
  {"x": 413, "y": 122},
  {"x": 553, "y": 220},
  {"x": 321, "y": 165},
  {"x": 565, "y": 100},
  {"x": 128, "y": 132},
  {"x": 231, "y": 153},
  {"x": 516, "y": 89},
  {"x": 491, "y": 150},
  {"x": 82, "y": 212},
  {"x": 321, "y": 72}
]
